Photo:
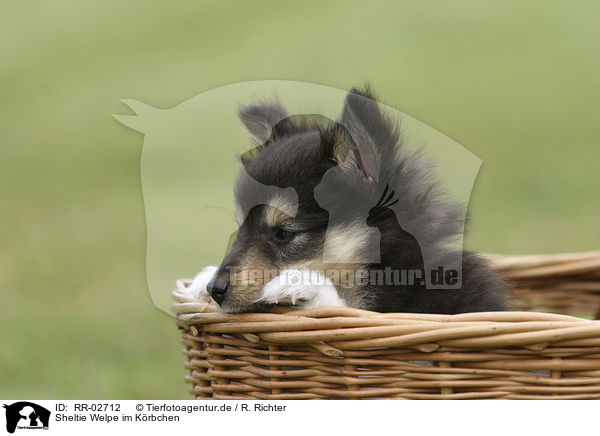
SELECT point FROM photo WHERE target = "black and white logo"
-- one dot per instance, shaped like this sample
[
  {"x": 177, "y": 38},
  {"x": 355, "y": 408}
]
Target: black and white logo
[{"x": 26, "y": 415}]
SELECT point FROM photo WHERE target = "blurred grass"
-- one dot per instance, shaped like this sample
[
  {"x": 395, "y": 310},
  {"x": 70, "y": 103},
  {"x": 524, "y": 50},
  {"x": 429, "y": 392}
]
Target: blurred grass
[{"x": 517, "y": 83}]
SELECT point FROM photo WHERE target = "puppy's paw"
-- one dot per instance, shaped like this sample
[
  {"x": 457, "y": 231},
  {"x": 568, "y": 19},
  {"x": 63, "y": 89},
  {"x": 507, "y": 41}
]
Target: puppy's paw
[
  {"x": 302, "y": 289},
  {"x": 197, "y": 289}
]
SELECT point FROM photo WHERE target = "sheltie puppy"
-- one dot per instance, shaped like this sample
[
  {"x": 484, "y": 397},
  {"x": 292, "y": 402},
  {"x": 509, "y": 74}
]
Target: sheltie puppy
[{"x": 340, "y": 213}]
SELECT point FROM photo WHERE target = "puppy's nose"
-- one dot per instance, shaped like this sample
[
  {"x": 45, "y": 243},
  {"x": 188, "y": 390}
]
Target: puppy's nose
[{"x": 217, "y": 290}]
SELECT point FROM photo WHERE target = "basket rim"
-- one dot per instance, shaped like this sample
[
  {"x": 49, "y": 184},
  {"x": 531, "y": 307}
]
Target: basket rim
[{"x": 344, "y": 328}]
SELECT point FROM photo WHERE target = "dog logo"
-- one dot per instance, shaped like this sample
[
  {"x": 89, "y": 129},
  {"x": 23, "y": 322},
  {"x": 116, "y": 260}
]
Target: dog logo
[
  {"x": 26, "y": 415},
  {"x": 186, "y": 170}
]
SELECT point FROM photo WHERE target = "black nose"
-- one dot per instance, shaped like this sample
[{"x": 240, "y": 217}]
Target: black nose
[{"x": 217, "y": 290}]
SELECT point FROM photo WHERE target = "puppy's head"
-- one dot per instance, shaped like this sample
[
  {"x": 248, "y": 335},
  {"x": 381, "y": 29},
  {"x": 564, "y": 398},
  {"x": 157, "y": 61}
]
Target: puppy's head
[{"x": 282, "y": 223}]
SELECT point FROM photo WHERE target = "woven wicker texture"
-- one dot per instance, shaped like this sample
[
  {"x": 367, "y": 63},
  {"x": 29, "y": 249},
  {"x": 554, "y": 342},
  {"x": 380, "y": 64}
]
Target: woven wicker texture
[{"x": 355, "y": 354}]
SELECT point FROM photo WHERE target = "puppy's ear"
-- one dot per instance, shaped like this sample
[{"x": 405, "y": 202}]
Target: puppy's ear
[
  {"x": 259, "y": 119},
  {"x": 364, "y": 136}
]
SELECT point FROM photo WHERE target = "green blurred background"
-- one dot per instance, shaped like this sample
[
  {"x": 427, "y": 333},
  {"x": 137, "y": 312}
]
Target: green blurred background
[{"x": 517, "y": 83}]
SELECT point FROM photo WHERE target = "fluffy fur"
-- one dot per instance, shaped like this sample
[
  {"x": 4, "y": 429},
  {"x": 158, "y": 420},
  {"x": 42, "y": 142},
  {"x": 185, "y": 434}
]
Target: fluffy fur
[{"x": 364, "y": 203}]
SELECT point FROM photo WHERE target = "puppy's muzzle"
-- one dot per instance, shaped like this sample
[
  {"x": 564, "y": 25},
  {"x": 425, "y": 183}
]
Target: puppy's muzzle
[{"x": 217, "y": 290}]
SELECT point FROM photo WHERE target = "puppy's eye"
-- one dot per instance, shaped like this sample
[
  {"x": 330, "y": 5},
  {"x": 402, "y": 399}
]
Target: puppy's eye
[{"x": 283, "y": 235}]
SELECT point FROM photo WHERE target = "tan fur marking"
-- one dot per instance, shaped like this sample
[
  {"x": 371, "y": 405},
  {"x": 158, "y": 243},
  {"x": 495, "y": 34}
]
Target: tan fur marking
[
  {"x": 278, "y": 211},
  {"x": 248, "y": 280},
  {"x": 346, "y": 244},
  {"x": 239, "y": 214}
]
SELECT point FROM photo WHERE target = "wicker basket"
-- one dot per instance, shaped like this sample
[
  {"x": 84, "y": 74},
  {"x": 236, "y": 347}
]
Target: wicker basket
[{"x": 355, "y": 354}]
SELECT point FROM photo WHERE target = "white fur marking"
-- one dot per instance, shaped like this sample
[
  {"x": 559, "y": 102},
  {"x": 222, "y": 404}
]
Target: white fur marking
[
  {"x": 197, "y": 289},
  {"x": 302, "y": 289}
]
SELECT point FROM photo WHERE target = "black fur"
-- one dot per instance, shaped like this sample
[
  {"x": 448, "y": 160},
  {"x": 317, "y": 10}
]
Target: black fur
[{"x": 408, "y": 206}]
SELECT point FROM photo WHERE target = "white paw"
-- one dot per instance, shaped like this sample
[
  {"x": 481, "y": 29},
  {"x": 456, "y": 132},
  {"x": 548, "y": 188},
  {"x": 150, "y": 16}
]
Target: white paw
[
  {"x": 197, "y": 289},
  {"x": 301, "y": 289}
]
